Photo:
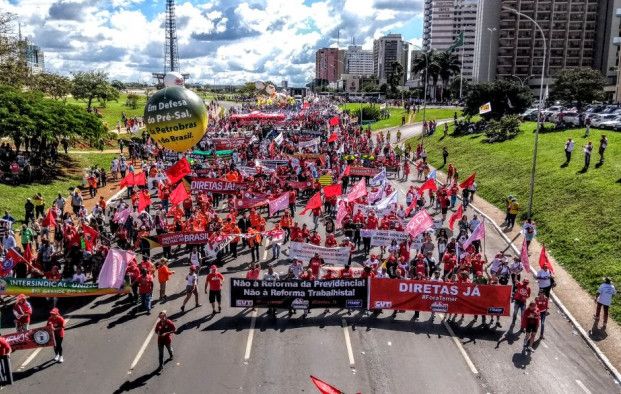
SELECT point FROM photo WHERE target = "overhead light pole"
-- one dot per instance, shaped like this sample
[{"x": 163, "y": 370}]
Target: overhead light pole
[
  {"x": 539, "y": 109},
  {"x": 489, "y": 54}
]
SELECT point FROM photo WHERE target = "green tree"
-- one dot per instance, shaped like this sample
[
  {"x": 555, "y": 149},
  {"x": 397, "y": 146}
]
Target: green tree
[
  {"x": 395, "y": 76},
  {"x": 132, "y": 101},
  {"x": 505, "y": 97},
  {"x": 425, "y": 64},
  {"x": 578, "y": 85},
  {"x": 53, "y": 85},
  {"x": 13, "y": 68},
  {"x": 93, "y": 85},
  {"x": 118, "y": 85}
]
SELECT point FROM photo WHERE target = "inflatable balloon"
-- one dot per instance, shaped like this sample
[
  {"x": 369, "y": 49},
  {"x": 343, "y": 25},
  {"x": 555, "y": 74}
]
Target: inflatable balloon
[
  {"x": 176, "y": 118},
  {"x": 172, "y": 79}
]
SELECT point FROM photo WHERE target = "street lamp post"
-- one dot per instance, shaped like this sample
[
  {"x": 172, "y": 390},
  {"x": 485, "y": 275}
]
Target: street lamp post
[
  {"x": 540, "y": 107},
  {"x": 426, "y": 53},
  {"x": 489, "y": 54}
]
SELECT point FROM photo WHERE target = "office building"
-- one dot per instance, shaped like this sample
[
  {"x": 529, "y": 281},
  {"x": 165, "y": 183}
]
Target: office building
[
  {"x": 444, "y": 21},
  {"x": 386, "y": 51},
  {"x": 486, "y": 41},
  {"x": 34, "y": 58},
  {"x": 358, "y": 61},
  {"x": 329, "y": 64}
]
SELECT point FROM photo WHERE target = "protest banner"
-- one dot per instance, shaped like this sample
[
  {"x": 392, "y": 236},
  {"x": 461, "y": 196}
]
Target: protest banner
[
  {"x": 273, "y": 164},
  {"x": 363, "y": 171},
  {"x": 299, "y": 294},
  {"x": 213, "y": 185},
  {"x": 278, "y": 204},
  {"x": 309, "y": 143},
  {"x": 49, "y": 288},
  {"x": 419, "y": 223},
  {"x": 427, "y": 296},
  {"x": 182, "y": 238},
  {"x": 384, "y": 237},
  {"x": 366, "y": 209},
  {"x": 304, "y": 251},
  {"x": 229, "y": 143},
  {"x": 31, "y": 339}
]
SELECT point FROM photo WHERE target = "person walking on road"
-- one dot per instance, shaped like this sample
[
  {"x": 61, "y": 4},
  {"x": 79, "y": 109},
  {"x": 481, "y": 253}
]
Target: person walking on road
[
  {"x": 164, "y": 329},
  {"x": 603, "y": 299},
  {"x": 513, "y": 209},
  {"x": 542, "y": 304},
  {"x": 530, "y": 324},
  {"x": 5, "y": 347},
  {"x": 145, "y": 289},
  {"x": 214, "y": 282},
  {"x": 520, "y": 297},
  {"x": 57, "y": 323},
  {"x": 545, "y": 279},
  {"x": 191, "y": 287},
  {"x": 22, "y": 312},
  {"x": 569, "y": 148},
  {"x": 163, "y": 276}
]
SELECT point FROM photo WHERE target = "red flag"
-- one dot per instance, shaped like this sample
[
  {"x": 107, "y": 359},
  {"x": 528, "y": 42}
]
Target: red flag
[
  {"x": 140, "y": 179},
  {"x": 524, "y": 257},
  {"x": 178, "y": 170},
  {"x": 333, "y": 137},
  {"x": 429, "y": 184},
  {"x": 313, "y": 202},
  {"x": 334, "y": 121},
  {"x": 272, "y": 149},
  {"x": 49, "y": 220},
  {"x": 11, "y": 258},
  {"x": 90, "y": 236},
  {"x": 325, "y": 388},
  {"x": 456, "y": 216},
  {"x": 544, "y": 260},
  {"x": 127, "y": 181},
  {"x": 28, "y": 253},
  {"x": 419, "y": 223},
  {"x": 346, "y": 171},
  {"x": 468, "y": 182},
  {"x": 178, "y": 195},
  {"x": 333, "y": 190},
  {"x": 144, "y": 200}
]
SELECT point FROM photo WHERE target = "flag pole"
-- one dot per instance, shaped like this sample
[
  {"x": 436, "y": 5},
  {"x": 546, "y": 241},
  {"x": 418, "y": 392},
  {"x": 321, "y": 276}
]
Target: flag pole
[{"x": 461, "y": 73}]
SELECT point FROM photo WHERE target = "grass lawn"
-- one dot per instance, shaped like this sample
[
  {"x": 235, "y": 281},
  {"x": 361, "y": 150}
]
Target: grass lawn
[
  {"x": 14, "y": 197},
  {"x": 397, "y": 112},
  {"x": 577, "y": 214},
  {"x": 114, "y": 109}
]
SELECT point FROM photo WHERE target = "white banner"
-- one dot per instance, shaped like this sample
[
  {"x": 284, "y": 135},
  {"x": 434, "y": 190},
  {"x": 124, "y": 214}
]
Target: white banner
[
  {"x": 366, "y": 209},
  {"x": 306, "y": 144},
  {"x": 304, "y": 252},
  {"x": 384, "y": 237}
]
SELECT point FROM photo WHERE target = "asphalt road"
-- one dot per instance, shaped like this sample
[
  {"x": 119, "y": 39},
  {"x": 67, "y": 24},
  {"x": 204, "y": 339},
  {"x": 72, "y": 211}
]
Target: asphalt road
[{"x": 108, "y": 348}]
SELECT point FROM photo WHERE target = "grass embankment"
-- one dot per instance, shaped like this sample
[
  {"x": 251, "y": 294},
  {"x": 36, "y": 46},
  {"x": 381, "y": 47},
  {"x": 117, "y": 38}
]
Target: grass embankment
[
  {"x": 577, "y": 213},
  {"x": 113, "y": 110},
  {"x": 396, "y": 113},
  {"x": 14, "y": 197}
]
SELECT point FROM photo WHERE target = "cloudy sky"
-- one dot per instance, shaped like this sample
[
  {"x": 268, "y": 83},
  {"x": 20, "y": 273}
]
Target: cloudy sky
[{"x": 226, "y": 41}]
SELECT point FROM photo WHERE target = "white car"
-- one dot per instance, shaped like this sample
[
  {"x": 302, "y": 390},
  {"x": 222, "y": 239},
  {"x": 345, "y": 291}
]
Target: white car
[
  {"x": 551, "y": 111},
  {"x": 611, "y": 124},
  {"x": 597, "y": 120},
  {"x": 569, "y": 117}
]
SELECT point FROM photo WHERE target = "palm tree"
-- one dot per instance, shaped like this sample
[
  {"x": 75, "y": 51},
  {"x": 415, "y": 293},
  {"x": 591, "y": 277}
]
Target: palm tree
[
  {"x": 426, "y": 62},
  {"x": 447, "y": 64}
]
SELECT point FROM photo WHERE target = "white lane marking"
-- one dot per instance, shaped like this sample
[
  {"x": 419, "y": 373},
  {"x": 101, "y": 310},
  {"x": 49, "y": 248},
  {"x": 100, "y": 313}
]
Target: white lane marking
[
  {"x": 35, "y": 353},
  {"x": 143, "y": 347},
  {"x": 350, "y": 353},
  {"x": 544, "y": 345},
  {"x": 583, "y": 387},
  {"x": 473, "y": 369},
  {"x": 253, "y": 322}
]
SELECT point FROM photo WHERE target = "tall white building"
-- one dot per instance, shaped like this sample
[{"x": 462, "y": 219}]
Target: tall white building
[
  {"x": 387, "y": 50},
  {"x": 443, "y": 23},
  {"x": 358, "y": 61}
]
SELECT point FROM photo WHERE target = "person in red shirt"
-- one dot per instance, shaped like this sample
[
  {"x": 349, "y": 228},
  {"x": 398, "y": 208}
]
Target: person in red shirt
[
  {"x": 522, "y": 292},
  {"x": 449, "y": 261},
  {"x": 315, "y": 264},
  {"x": 542, "y": 304},
  {"x": 308, "y": 275},
  {"x": 145, "y": 289},
  {"x": 330, "y": 241},
  {"x": 22, "y": 310},
  {"x": 314, "y": 238},
  {"x": 254, "y": 272},
  {"x": 347, "y": 273},
  {"x": 329, "y": 275},
  {"x": 164, "y": 329},
  {"x": 57, "y": 323},
  {"x": 214, "y": 282},
  {"x": 530, "y": 324},
  {"x": 133, "y": 274},
  {"x": 5, "y": 347}
]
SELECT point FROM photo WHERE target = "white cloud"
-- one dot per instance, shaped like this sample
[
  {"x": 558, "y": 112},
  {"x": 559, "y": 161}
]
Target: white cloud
[{"x": 232, "y": 41}]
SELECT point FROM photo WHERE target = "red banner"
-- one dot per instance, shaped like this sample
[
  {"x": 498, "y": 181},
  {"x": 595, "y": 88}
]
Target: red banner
[
  {"x": 31, "y": 339},
  {"x": 229, "y": 143},
  {"x": 213, "y": 185},
  {"x": 363, "y": 171},
  {"x": 427, "y": 296},
  {"x": 182, "y": 238}
]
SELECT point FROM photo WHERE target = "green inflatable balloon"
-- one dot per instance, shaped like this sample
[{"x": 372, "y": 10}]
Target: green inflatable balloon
[{"x": 176, "y": 118}]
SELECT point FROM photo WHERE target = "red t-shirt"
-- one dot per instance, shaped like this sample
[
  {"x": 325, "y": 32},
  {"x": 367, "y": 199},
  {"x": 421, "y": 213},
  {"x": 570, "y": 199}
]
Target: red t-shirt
[
  {"x": 57, "y": 323},
  {"x": 5, "y": 348},
  {"x": 315, "y": 265},
  {"x": 215, "y": 281}
]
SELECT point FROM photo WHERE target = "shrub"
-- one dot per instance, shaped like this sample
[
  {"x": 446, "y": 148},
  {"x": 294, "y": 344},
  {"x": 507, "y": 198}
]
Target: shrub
[{"x": 508, "y": 127}]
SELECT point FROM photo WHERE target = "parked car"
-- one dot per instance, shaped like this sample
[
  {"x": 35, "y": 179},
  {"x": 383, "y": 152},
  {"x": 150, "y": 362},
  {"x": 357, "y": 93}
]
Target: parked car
[
  {"x": 529, "y": 114},
  {"x": 611, "y": 124},
  {"x": 550, "y": 111},
  {"x": 597, "y": 120},
  {"x": 567, "y": 117}
]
